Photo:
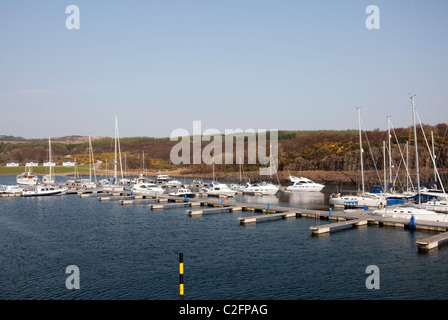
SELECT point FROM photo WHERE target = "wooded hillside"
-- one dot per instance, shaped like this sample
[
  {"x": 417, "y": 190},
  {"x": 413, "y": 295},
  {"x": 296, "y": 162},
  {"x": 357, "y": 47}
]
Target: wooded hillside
[{"x": 320, "y": 150}]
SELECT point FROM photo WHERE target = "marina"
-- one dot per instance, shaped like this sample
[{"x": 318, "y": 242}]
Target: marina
[
  {"x": 126, "y": 231},
  {"x": 214, "y": 204}
]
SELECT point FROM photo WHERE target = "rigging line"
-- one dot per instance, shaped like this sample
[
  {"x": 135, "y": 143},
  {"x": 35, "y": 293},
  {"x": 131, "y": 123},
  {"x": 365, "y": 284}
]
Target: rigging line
[
  {"x": 397, "y": 176},
  {"x": 401, "y": 153},
  {"x": 371, "y": 154},
  {"x": 430, "y": 153}
]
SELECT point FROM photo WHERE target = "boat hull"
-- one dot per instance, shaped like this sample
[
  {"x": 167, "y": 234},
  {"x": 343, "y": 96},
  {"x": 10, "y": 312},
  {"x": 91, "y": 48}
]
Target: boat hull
[
  {"x": 222, "y": 193},
  {"x": 113, "y": 188},
  {"x": 31, "y": 193},
  {"x": 408, "y": 213},
  {"x": 356, "y": 201},
  {"x": 308, "y": 188},
  {"x": 188, "y": 195},
  {"x": 151, "y": 193},
  {"x": 260, "y": 190}
]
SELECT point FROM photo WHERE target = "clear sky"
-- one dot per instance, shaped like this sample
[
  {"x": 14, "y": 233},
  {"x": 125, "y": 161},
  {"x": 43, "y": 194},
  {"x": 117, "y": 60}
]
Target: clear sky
[{"x": 262, "y": 64}]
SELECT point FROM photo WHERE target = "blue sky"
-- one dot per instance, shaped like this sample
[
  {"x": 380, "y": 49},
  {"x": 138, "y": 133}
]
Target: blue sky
[{"x": 261, "y": 64}]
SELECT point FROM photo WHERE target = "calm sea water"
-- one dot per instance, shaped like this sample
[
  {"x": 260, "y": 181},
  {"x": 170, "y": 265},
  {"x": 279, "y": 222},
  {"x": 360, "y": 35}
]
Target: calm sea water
[{"x": 131, "y": 252}]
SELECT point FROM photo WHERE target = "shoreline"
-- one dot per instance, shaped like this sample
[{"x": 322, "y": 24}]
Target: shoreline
[{"x": 324, "y": 177}]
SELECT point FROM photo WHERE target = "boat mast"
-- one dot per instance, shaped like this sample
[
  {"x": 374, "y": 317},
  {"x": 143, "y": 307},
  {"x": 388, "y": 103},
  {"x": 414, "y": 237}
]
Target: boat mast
[
  {"x": 117, "y": 147},
  {"x": 240, "y": 170},
  {"x": 90, "y": 160},
  {"x": 407, "y": 166},
  {"x": 360, "y": 148},
  {"x": 384, "y": 166},
  {"x": 213, "y": 166},
  {"x": 49, "y": 156},
  {"x": 434, "y": 157},
  {"x": 416, "y": 152},
  {"x": 115, "y": 153},
  {"x": 143, "y": 161},
  {"x": 390, "y": 156}
]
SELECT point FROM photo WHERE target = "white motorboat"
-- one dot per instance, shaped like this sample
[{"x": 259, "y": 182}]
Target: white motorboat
[
  {"x": 140, "y": 179},
  {"x": 43, "y": 190},
  {"x": 264, "y": 188},
  {"x": 304, "y": 184},
  {"x": 173, "y": 183},
  {"x": 183, "y": 192},
  {"x": 167, "y": 180},
  {"x": 149, "y": 189},
  {"x": 162, "y": 178},
  {"x": 238, "y": 186},
  {"x": 409, "y": 212},
  {"x": 27, "y": 178},
  {"x": 220, "y": 189},
  {"x": 6, "y": 189}
]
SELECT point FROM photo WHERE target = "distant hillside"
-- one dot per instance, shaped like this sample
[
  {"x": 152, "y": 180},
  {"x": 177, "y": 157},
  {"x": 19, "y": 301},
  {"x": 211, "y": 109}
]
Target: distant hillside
[
  {"x": 299, "y": 151},
  {"x": 11, "y": 139},
  {"x": 66, "y": 139}
]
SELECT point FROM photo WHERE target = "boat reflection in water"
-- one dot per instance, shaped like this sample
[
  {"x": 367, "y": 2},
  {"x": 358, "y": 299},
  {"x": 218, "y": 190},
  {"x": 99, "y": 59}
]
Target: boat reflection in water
[{"x": 312, "y": 200}]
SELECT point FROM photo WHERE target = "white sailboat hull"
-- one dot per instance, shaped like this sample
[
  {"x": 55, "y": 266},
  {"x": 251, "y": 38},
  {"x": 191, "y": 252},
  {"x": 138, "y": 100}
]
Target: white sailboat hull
[
  {"x": 357, "y": 201},
  {"x": 409, "y": 212},
  {"x": 113, "y": 188},
  {"x": 147, "y": 190}
]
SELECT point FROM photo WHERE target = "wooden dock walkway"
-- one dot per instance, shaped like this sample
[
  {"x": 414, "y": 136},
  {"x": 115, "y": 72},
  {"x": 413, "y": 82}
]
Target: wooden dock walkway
[
  {"x": 340, "y": 219},
  {"x": 331, "y": 227},
  {"x": 433, "y": 241}
]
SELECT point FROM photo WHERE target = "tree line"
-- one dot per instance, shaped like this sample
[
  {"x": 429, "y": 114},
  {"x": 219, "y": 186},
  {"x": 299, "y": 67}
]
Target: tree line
[{"x": 327, "y": 150}]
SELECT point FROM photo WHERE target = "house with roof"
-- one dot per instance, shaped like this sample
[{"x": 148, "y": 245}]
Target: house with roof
[
  {"x": 47, "y": 163},
  {"x": 12, "y": 163},
  {"x": 32, "y": 163},
  {"x": 68, "y": 163}
]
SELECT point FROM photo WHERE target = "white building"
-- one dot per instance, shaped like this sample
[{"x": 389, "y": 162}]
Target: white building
[
  {"x": 32, "y": 163},
  {"x": 49, "y": 164},
  {"x": 12, "y": 163},
  {"x": 68, "y": 163}
]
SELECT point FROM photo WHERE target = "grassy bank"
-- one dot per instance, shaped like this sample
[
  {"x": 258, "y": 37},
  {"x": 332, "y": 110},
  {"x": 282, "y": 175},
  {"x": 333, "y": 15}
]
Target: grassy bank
[{"x": 44, "y": 170}]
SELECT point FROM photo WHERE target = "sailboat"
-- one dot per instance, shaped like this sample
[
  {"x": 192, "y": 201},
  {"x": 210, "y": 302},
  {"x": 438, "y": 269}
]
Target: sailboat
[
  {"x": 49, "y": 179},
  {"x": 89, "y": 183},
  {"x": 417, "y": 213},
  {"x": 219, "y": 189},
  {"x": 114, "y": 186},
  {"x": 239, "y": 186},
  {"x": 27, "y": 178},
  {"x": 362, "y": 199},
  {"x": 388, "y": 189},
  {"x": 263, "y": 187}
]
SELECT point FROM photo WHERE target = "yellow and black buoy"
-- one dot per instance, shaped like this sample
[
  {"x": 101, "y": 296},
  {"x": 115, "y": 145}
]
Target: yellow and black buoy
[{"x": 181, "y": 276}]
